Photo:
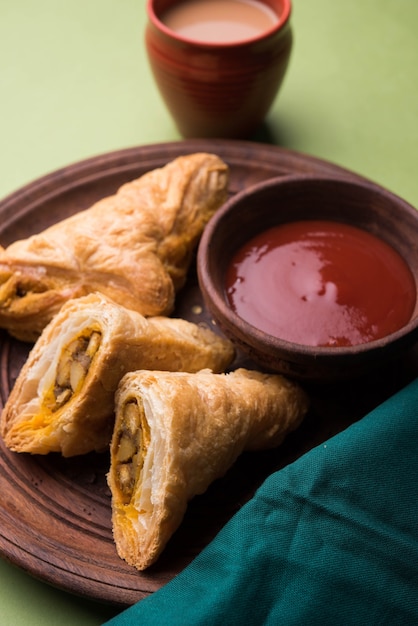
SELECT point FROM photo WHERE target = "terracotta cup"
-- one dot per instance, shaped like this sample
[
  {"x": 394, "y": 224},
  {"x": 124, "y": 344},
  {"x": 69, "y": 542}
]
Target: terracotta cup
[{"x": 218, "y": 90}]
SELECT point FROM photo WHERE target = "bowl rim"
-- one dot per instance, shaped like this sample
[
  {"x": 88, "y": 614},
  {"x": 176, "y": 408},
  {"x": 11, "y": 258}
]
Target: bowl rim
[{"x": 253, "y": 336}]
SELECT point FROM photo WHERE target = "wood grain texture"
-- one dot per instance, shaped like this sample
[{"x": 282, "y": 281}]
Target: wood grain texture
[{"x": 55, "y": 519}]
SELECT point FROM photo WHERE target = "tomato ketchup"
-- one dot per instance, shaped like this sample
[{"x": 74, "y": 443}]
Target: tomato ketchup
[{"x": 321, "y": 283}]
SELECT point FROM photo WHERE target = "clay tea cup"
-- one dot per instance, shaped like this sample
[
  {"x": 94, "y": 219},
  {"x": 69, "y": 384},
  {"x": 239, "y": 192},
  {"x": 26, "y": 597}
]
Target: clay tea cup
[{"x": 221, "y": 82}]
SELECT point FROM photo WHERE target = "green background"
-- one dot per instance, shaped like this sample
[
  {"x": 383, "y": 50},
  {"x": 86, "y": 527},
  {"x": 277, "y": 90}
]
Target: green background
[{"x": 74, "y": 82}]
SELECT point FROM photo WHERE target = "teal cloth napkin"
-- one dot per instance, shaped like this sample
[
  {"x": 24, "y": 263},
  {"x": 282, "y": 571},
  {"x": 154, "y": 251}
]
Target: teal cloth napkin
[{"x": 330, "y": 539}]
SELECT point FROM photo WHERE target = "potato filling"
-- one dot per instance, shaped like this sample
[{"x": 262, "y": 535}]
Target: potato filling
[
  {"x": 72, "y": 368},
  {"x": 12, "y": 285},
  {"x": 132, "y": 445}
]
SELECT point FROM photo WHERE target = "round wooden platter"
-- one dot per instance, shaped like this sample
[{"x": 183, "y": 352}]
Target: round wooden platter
[{"x": 55, "y": 520}]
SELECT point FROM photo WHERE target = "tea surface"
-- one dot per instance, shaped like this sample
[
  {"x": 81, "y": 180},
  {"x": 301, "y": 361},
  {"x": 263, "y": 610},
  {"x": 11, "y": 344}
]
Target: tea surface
[{"x": 220, "y": 21}]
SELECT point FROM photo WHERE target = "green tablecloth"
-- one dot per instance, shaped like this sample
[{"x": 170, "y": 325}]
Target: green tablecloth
[{"x": 74, "y": 82}]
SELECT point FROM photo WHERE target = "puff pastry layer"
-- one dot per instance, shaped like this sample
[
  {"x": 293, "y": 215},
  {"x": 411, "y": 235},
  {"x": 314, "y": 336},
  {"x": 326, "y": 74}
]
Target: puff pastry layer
[
  {"x": 175, "y": 433},
  {"x": 63, "y": 398},
  {"x": 134, "y": 247}
]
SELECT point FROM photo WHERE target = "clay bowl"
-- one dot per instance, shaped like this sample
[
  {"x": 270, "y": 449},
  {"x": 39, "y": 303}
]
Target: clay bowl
[
  {"x": 220, "y": 90},
  {"x": 287, "y": 199}
]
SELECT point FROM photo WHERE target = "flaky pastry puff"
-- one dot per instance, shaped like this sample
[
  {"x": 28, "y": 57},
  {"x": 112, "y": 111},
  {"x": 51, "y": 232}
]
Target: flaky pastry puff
[
  {"x": 63, "y": 398},
  {"x": 175, "y": 433},
  {"x": 134, "y": 246}
]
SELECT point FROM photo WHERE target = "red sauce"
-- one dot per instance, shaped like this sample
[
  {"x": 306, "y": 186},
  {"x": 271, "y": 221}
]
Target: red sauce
[{"x": 321, "y": 283}]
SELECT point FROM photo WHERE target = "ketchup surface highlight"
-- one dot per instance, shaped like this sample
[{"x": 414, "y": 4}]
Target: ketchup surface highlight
[{"x": 321, "y": 283}]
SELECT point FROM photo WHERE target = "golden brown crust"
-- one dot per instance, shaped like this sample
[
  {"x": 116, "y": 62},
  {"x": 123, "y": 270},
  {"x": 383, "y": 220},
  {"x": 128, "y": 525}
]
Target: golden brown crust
[
  {"x": 176, "y": 433},
  {"x": 63, "y": 398},
  {"x": 135, "y": 247}
]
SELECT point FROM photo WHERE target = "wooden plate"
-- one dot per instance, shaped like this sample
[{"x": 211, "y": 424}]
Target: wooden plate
[{"x": 55, "y": 513}]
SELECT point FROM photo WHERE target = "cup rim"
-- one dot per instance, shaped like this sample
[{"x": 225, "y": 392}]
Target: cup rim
[{"x": 159, "y": 25}]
